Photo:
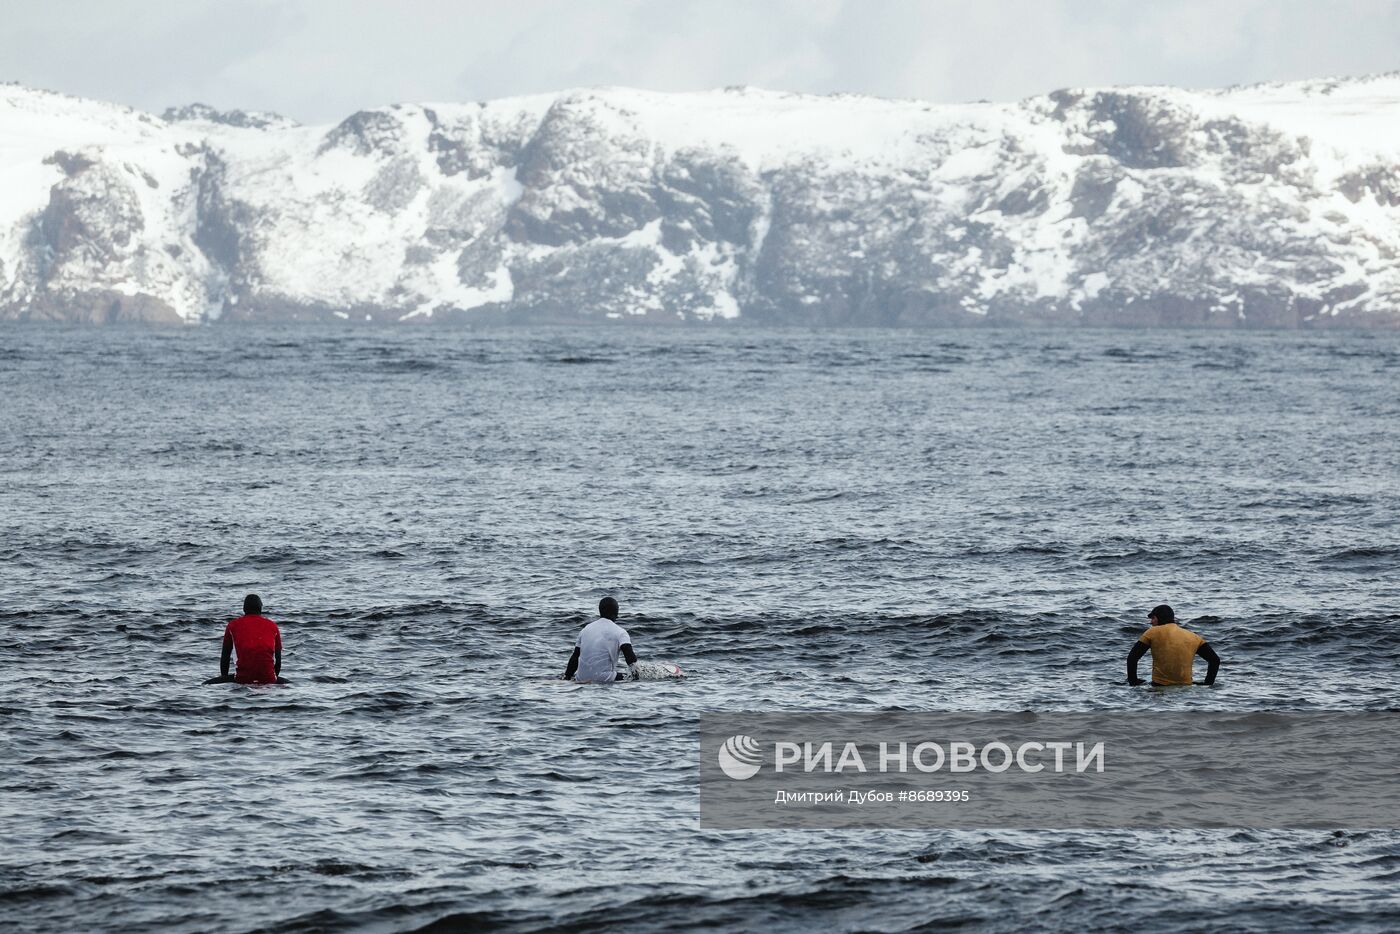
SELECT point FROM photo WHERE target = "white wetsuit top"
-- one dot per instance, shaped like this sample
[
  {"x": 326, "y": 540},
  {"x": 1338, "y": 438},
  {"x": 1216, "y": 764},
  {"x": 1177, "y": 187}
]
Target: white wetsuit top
[{"x": 598, "y": 645}]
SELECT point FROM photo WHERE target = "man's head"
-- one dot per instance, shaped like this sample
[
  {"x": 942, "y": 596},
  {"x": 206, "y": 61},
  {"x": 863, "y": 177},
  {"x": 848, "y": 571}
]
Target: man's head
[
  {"x": 1161, "y": 615},
  {"x": 252, "y": 605},
  {"x": 607, "y": 608}
]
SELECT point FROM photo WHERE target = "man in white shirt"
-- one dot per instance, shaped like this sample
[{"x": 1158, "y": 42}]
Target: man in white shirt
[{"x": 595, "y": 653}]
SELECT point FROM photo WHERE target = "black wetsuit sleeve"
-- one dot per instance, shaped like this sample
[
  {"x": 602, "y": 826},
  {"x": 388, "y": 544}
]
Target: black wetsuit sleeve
[
  {"x": 225, "y": 656},
  {"x": 628, "y": 654},
  {"x": 573, "y": 666},
  {"x": 1138, "y": 651},
  {"x": 1213, "y": 660}
]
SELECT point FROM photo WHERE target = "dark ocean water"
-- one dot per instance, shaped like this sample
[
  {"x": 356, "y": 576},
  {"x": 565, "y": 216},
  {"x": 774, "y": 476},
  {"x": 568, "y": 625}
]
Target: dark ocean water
[{"x": 838, "y": 520}]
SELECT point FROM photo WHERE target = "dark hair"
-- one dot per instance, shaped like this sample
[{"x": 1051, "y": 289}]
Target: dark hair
[
  {"x": 252, "y": 604},
  {"x": 1163, "y": 613},
  {"x": 607, "y": 607}
]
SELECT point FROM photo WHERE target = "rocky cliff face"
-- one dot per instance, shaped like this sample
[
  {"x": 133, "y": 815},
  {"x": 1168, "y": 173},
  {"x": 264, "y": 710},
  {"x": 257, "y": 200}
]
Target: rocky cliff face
[{"x": 1276, "y": 205}]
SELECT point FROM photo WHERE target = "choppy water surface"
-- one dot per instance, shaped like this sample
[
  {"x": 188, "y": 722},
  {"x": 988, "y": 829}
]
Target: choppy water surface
[{"x": 839, "y": 520}]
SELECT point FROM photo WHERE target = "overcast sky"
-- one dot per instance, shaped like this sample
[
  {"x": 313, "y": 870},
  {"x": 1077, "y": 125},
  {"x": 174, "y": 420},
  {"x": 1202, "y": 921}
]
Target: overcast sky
[{"x": 318, "y": 60}]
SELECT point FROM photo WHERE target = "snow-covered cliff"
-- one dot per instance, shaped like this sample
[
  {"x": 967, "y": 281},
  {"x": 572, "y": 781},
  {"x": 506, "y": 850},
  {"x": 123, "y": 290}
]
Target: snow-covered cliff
[{"x": 1273, "y": 205}]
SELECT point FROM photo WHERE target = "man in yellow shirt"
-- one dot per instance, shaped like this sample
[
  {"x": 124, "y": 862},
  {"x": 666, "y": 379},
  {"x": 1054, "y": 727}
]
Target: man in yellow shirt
[{"x": 1173, "y": 650}]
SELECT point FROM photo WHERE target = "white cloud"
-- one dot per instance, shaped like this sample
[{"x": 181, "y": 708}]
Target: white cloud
[{"x": 321, "y": 59}]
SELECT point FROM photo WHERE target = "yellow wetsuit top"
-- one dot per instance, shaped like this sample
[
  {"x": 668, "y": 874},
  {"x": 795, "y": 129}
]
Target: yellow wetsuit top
[{"x": 1173, "y": 648}]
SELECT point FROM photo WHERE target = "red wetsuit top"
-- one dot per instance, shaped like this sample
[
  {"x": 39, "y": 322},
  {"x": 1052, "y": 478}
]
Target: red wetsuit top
[{"x": 255, "y": 639}]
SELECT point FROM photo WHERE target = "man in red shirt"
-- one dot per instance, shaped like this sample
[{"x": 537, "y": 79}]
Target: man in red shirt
[{"x": 259, "y": 645}]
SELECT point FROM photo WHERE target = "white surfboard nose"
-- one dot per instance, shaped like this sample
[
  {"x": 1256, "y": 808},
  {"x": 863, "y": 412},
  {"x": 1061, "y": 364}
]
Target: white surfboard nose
[{"x": 658, "y": 671}]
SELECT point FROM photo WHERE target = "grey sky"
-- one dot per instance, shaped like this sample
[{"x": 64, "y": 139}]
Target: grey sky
[{"x": 318, "y": 60}]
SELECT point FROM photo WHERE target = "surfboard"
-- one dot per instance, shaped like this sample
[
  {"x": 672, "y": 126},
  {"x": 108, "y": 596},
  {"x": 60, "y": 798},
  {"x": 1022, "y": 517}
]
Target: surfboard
[{"x": 658, "y": 671}]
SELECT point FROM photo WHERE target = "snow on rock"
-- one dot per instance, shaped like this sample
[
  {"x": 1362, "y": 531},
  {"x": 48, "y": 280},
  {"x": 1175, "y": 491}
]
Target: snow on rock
[{"x": 1272, "y": 205}]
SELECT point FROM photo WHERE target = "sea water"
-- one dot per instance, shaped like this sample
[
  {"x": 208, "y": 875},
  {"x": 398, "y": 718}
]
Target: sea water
[{"x": 849, "y": 520}]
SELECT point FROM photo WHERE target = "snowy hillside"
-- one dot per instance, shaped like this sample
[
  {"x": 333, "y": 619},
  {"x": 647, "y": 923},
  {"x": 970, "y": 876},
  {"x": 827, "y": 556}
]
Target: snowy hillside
[{"x": 1275, "y": 205}]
